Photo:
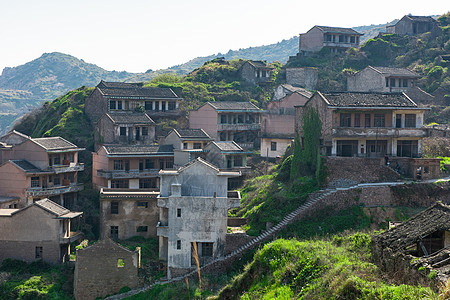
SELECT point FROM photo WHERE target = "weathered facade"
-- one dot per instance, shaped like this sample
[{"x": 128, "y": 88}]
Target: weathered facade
[
  {"x": 414, "y": 25},
  {"x": 278, "y": 120},
  {"x": 229, "y": 121},
  {"x": 256, "y": 72},
  {"x": 367, "y": 124},
  {"x": 382, "y": 79},
  {"x": 335, "y": 38},
  {"x": 302, "y": 77},
  {"x": 38, "y": 168},
  {"x": 194, "y": 204},
  {"x": 110, "y": 97},
  {"x": 125, "y": 128},
  {"x": 39, "y": 231},
  {"x": 104, "y": 268}
]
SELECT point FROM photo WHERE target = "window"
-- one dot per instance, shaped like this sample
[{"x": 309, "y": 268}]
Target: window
[
  {"x": 119, "y": 184},
  {"x": 114, "y": 232},
  {"x": 50, "y": 160},
  {"x": 142, "y": 204},
  {"x": 34, "y": 182},
  {"x": 120, "y": 263},
  {"x": 185, "y": 145},
  {"x": 141, "y": 165},
  {"x": 207, "y": 249},
  {"x": 240, "y": 119},
  {"x": 56, "y": 180},
  {"x": 238, "y": 161},
  {"x": 410, "y": 120},
  {"x": 197, "y": 145},
  {"x": 149, "y": 164},
  {"x": 341, "y": 39},
  {"x": 163, "y": 106},
  {"x": 405, "y": 82},
  {"x": 407, "y": 148},
  {"x": 178, "y": 244},
  {"x": 357, "y": 120},
  {"x": 71, "y": 157},
  {"x": 123, "y": 131},
  {"x": 392, "y": 82},
  {"x": 171, "y": 106},
  {"x": 387, "y": 82},
  {"x": 56, "y": 160},
  {"x": 142, "y": 229},
  {"x": 178, "y": 212},
  {"x": 367, "y": 120},
  {"x": 112, "y": 104},
  {"x": 156, "y": 105},
  {"x": 38, "y": 253},
  {"x": 169, "y": 164},
  {"x": 379, "y": 120},
  {"x": 119, "y": 104},
  {"x": 346, "y": 120},
  {"x": 264, "y": 73},
  {"x": 144, "y": 131},
  {"x": 352, "y": 39},
  {"x": 147, "y": 183},
  {"x": 273, "y": 146},
  {"x": 118, "y": 164},
  {"x": 148, "y": 105},
  {"x": 223, "y": 119},
  {"x": 398, "y": 121},
  {"x": 114, "y": 208}
]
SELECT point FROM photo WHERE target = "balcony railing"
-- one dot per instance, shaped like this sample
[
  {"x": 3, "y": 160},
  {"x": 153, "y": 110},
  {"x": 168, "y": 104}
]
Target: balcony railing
[
  {"x": 373, "y": 132},
  {"x": 56, "y": 190},
  {"x": 115, "y": 174},
  {"x": 339, "y": 44},
  {"x": 73, "y": 237},
  {"x": 239, "y": 127},
  {"x": 72, "y": 167},
  {"x": 162, "y": 230}
]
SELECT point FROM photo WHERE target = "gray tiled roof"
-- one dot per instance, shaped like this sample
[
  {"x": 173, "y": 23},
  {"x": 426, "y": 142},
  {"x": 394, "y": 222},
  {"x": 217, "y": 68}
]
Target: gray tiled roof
[
  {"x": 120, "y": 89},
  {"x": 361, "y": 99},
  {"x": 395, "y": 71},
  {"x": 54, "y": 143},
  {"x": 299, "y": 90},
  {"x": 228, "y": 146},
  {"x": 421, "y": 18},
  {"x": 232, "y": 105},
  {"x": 26, "y": 166},
  {"x": 52, "y": 207},
  {"x": 127, "y": 118},
  {"x": 259, "y": 64},
  {"x": 192, "y": 133},
  {"x": 338, "y": 30},
  {"x": 139, "y": 149}
]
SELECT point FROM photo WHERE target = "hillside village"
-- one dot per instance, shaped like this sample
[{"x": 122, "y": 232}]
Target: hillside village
[{"x": 202, "y": 171}]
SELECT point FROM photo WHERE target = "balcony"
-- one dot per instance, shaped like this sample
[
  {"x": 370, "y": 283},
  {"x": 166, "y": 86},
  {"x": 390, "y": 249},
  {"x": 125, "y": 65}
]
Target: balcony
[
  {"x": 234, "y": 199},
  {"x": 355, "y": 132},
  {"x": 238, "y": 127},
  {"x": 340, "y": 44},
  {"x": 117, "y": 174},
  {"x": 162, "y": 230},
  {"x": 70, "y": 167},
  {"x": 56, "y": 190},
  {"x": 73, "y": 237}
]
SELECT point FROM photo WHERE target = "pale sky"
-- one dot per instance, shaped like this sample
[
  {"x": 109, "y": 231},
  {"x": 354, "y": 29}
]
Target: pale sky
[{"x": 137, "y": 35}]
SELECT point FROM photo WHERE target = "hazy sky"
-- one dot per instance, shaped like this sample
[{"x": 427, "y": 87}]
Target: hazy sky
[{"x": 137, "y": 35}]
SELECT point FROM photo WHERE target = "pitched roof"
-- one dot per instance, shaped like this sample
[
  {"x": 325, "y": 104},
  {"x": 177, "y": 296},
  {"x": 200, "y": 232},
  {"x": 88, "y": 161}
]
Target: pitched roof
[
  {"x": 395, "y": 71},
  {"x": 52, "y": 207},
  {"x": 435, "y": 218},
  {"x": 120, "y": 89},
  {"x": 139, "y": 149},
  {"x": 421, "y": 18},
  {"x": 299, "y": 90},
  {"x": 259, "y": 64},
  {"x": 127, "y": 118},
  {"x": 338, "y": 30},
  {"x": 26, "y": 166},
  {"x": 54, "y": 143},
  {"x": 228, "y": 146},
  {"x": 234, "y": 105},
  {"x": 363, "y": 99},
  {"x": 198, "y": 134}
]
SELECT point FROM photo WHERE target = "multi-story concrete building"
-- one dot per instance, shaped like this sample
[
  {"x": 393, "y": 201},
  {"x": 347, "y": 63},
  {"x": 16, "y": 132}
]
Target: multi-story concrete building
[
  {"x": 194, "y": 204},
  {"x": 110, "y": 97},
  {"x": 335, "y": 38},
  {"x": 229, "y": 121},
  {"x": 382, "y": 79},
  {"x": 278, "y": 120},
  {"x": 128, "y": 180},
  {"x": 414, "y": 25},
  {"x": 39, "y": 231},
  {"x": 38, "y": 168},
  {"x": 125, "y": 128},
  {"x": 367, "y": 124}
]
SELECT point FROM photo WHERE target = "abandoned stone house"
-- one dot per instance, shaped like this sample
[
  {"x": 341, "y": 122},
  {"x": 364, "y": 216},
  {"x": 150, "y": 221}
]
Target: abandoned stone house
[
  {"x": 110, "y": 97},
  {"x": 414, "y": 25},
  {"x": 38, "y": 168},
  {"x": 256, "y": 72},
  {"x": 104, "y": 268},
  {"x": 41, "y": 230},
  {"x": 194, "y": 203},
  {"x": 278, "y": 119},
  {"x": 335, "y": 38},
  {"x": 124, "y": 128},
  {"x": 128, "y": 180},
  {"x": 367, "y": 124},
  {"x": 382, "y": 79},
  {"x": 425, "y": 236},
  {"x": 229, "y": 121},
  {"x": 306, "y": 77}
]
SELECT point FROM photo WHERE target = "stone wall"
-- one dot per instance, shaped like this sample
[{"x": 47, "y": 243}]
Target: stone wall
[
  {"x": 302, "y": 77},
  {"x": 235, "y": 241},
  {"x": 95, "y": 106}
]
